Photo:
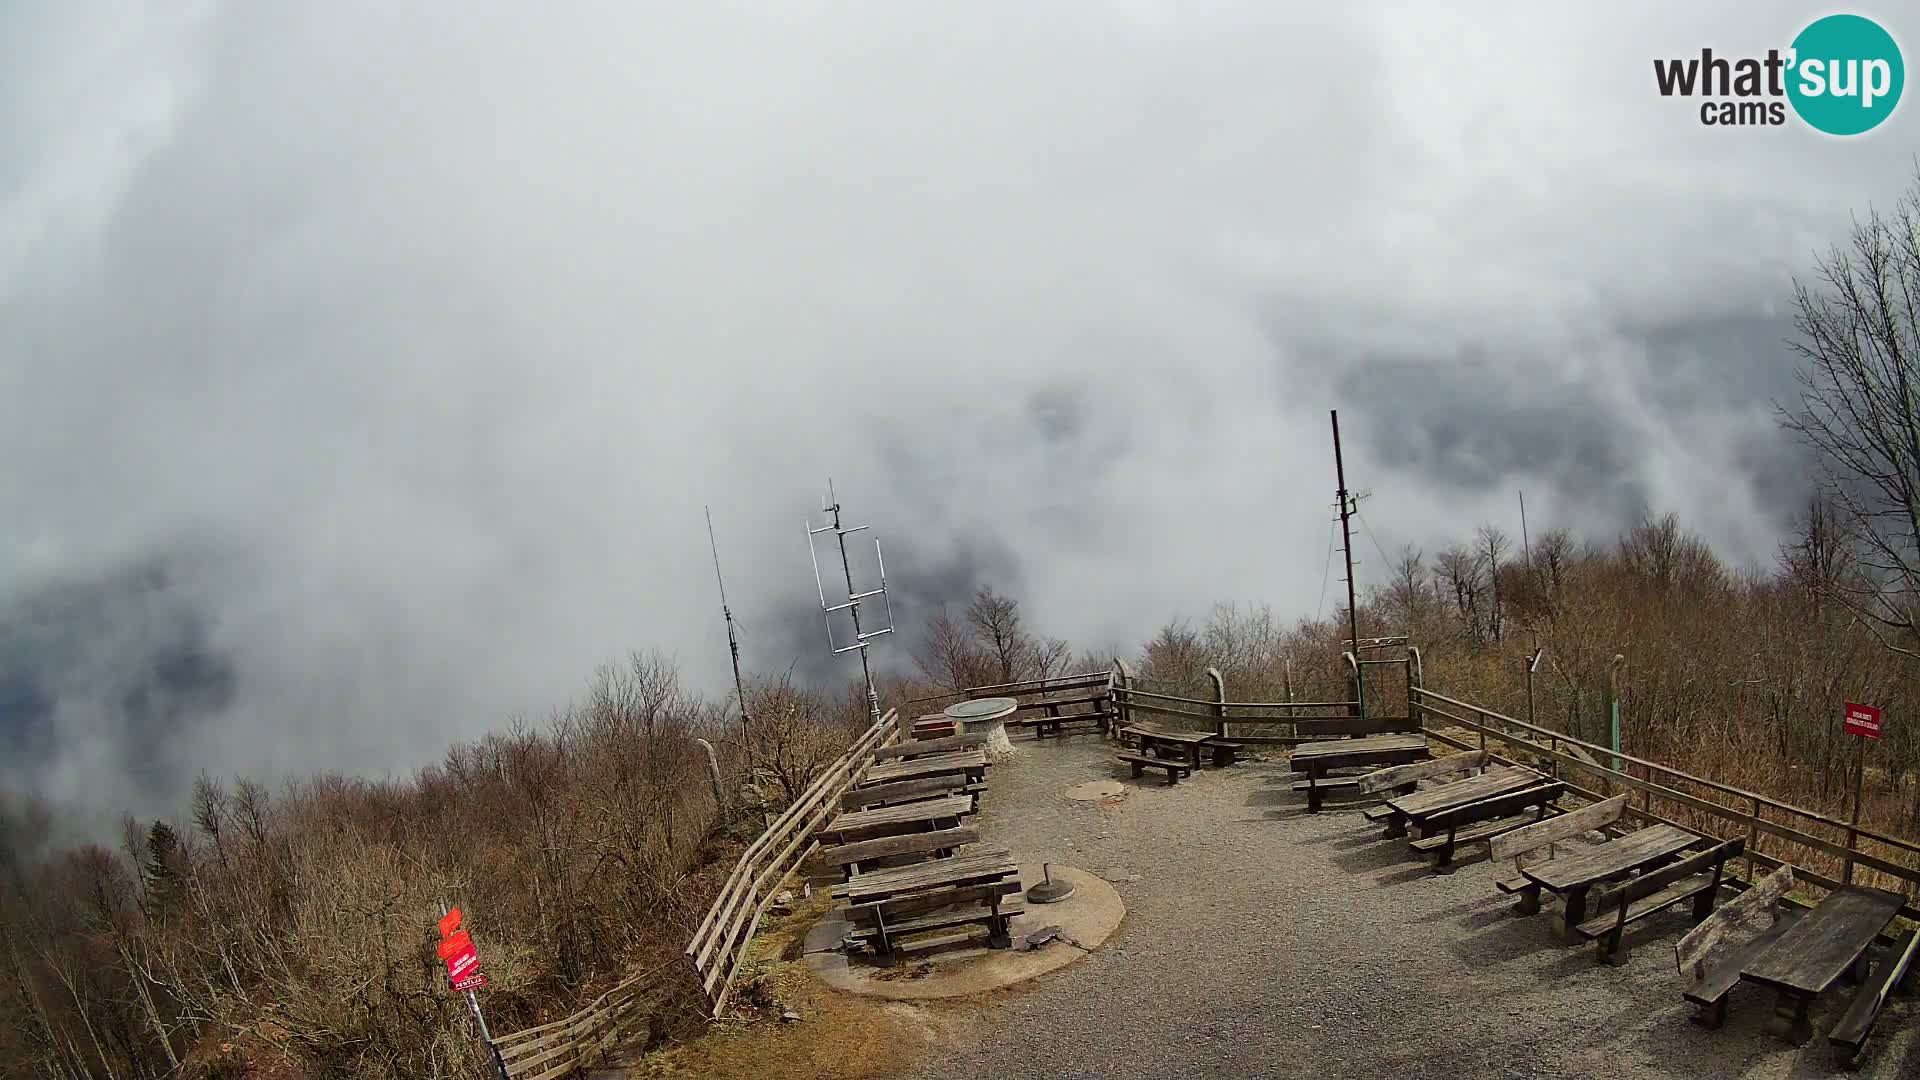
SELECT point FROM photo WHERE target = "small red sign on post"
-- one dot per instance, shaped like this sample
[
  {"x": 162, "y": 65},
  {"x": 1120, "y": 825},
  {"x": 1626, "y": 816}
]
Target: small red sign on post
[
  {"x": 462, "y": 961},
  {"x": 449, "y": 923},
  {"x": 1863, "y": 720}
]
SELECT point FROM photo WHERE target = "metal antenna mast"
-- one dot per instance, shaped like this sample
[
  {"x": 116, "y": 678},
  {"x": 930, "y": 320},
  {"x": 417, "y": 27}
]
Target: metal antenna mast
[
  {"x": 1346, "y": 540},
  {"x": 733, "y": 644},
  {"x": 831, "y": 505}
]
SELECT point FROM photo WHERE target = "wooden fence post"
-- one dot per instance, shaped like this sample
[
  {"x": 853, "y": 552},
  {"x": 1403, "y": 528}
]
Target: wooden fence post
[{"x": 1220, "y": 701}]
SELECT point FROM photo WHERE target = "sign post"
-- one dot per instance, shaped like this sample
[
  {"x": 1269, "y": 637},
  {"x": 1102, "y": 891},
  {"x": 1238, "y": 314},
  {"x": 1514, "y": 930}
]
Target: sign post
[
  {"x": 463, "y": 973},
  {"x": 1862, "y": 721}
]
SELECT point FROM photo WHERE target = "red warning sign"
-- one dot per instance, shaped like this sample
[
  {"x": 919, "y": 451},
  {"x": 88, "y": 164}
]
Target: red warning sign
[{"x": 1863, "y": 720}]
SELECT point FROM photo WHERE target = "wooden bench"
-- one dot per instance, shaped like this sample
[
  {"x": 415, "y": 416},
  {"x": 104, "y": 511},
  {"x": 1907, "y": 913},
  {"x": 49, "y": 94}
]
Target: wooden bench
[
  {"x": 1175, "y": 768},
  {"x": 1537, "y": 841},
  {"x": 940, "y": 843},
  {"x": 1823, "y": 946},
  {"x": 1403, "y": 778},
  {"x": 891, "y": 908},
  {"x": 1053, "y": 723},
  {"x": 1897, "y": 967},
  {"x": 1695, "y": 878},
  {"x": 913, "y": 748},
  {"x": 1712, "y": 983},
  {"x": 906, "y": 791},
  {"x": 1442, "y": 831}
]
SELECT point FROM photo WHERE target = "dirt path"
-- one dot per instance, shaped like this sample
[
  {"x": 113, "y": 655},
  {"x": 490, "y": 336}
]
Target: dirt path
[{"x": 1263, "y": 941}]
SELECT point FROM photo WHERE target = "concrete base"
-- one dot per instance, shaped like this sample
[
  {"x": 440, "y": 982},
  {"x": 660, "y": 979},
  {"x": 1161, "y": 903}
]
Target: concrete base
[{"x": 1088, "y": 917}]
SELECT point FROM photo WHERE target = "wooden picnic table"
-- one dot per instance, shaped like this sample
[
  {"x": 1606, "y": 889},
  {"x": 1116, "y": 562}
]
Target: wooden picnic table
[
  {"x": 1820, "y": 947},
  {"x": 932, "y": 902},
  {"x": 1318, "y": 758},
  {"x": 895, "y": 820},
  {"x": 971, "y": 867},
  {"x": 1573, "y": 875},
  {"x": 1149, "y": 734},
  {"x": 1415, "y": 808},
  {"x": 972, "y": 763}
]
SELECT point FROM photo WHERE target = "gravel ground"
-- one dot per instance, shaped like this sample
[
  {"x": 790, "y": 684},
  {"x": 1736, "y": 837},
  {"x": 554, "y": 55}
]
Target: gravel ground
[{"x": 1264, "y": 941}]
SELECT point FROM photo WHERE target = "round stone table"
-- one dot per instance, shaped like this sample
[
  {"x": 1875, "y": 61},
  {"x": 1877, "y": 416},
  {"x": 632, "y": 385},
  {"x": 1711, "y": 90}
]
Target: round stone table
[{"x": 988, "y": 715}]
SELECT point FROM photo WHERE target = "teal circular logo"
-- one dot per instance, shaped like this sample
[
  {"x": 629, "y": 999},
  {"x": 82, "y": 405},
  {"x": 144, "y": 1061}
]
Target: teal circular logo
[{"x": 1846, "y": 74}]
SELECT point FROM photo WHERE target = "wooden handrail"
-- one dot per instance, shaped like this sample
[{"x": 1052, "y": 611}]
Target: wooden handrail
[{"x": 719, "y": 944}]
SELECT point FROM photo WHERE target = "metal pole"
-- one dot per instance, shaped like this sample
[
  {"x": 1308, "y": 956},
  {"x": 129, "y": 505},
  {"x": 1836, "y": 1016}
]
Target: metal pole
[
  {"x": 1533, "y": 665},
  {"x": 1613, "y": 705},
  {"x": 733, "y": 646},
  {"x": 1346, "y": 540},
  {"x": 1853, "y": 824},
  {"x": 853, "y": 612}
]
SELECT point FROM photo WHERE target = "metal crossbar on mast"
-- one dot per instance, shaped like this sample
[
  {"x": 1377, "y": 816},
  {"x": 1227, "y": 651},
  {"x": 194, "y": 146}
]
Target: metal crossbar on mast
[{"x": 831, "y": 505}]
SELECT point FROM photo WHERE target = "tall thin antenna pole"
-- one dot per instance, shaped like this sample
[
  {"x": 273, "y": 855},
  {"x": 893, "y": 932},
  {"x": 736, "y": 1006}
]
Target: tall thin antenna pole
[
  {"x": 733, "y": 644},
  {"x": 1346, "y": 540},
  {"x": 1525, "y": 544},
  {"x": 852, "y": 606}
]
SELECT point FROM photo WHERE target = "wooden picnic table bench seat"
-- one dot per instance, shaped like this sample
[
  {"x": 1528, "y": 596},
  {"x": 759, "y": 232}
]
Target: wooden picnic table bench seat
[
  {"x": 1175, "y": 768},
  {"x": 971, "y": 763},
  {"x": 1696, "y": 877},
  {"x": 1897, "y": 967},
  {"x": 905, "y": 791},
  {"x": 1151, "y": 737},
  {"x": 1444, "y": 830},
  {"x": 1713, "y": 971},
  {"x": 1821, "y": 946},
  {"x": 867, "y": 854},
  {"x": 922, "y": 816},
  {"x": 1053, "y": 721},
  {"x": 914, "y": 748}
]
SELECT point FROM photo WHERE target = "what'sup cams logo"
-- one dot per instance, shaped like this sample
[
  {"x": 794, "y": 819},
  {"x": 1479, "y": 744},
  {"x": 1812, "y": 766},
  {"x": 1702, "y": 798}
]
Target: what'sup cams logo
[{"x": 1842, "y": 75}]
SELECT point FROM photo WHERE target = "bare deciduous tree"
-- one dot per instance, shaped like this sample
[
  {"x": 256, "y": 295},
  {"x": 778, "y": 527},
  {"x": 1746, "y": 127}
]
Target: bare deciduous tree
[{"x": 1859, "y": 333}]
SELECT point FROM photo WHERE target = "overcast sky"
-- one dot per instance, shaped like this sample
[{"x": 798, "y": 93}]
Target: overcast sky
[{"x": 364, "y": 367}]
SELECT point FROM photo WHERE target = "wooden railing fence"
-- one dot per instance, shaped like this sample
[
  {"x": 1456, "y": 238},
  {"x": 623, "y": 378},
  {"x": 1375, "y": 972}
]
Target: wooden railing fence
[
  {"x": 1679, "y": 798},
  {"x": 1232, "y": 719},
  {"x": 720, "y": 943},
  {"x": 563, "y": 1047}
]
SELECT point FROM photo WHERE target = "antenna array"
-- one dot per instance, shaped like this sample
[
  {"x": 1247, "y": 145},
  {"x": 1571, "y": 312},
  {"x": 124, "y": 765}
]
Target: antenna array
[{"x": 861, "y": 638}]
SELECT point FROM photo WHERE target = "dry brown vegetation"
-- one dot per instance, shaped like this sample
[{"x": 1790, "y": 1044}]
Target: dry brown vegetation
[
  {"x": 291, "y": 933},
  {"x": 1738, "y": 676}
]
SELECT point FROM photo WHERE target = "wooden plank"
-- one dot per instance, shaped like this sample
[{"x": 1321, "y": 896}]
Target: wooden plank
[
  {"x": 1761, "y": 896},
  {"x": 957, "y": 761},
  {"x": 1658, "y": 889},
  {"x": 920, "y": 903},
  {"x": 1460, "y": 792},
  {"x": 910, "y": 844},
  {"x": 1826, "y": 941},
  {"x": 1161, "y": 732},
  {"x": 940, "y": 920},
  {"x": 1423, "y": 770},
  {"x": 1480, "y": 830},
  {"x": 913, "y": 748},
  {"x": 1604, "y": 862},
  {"x": 904, "y": 815},
  {"x": 980, "y": 863},
  {"x": 1498, "y": 806},
  {"x": 909, "y": 790},
  {"x": 1573, "y": 823},
  {"x": 1854, "y": 1028},
  {"x": 1159, "y": 710}
]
